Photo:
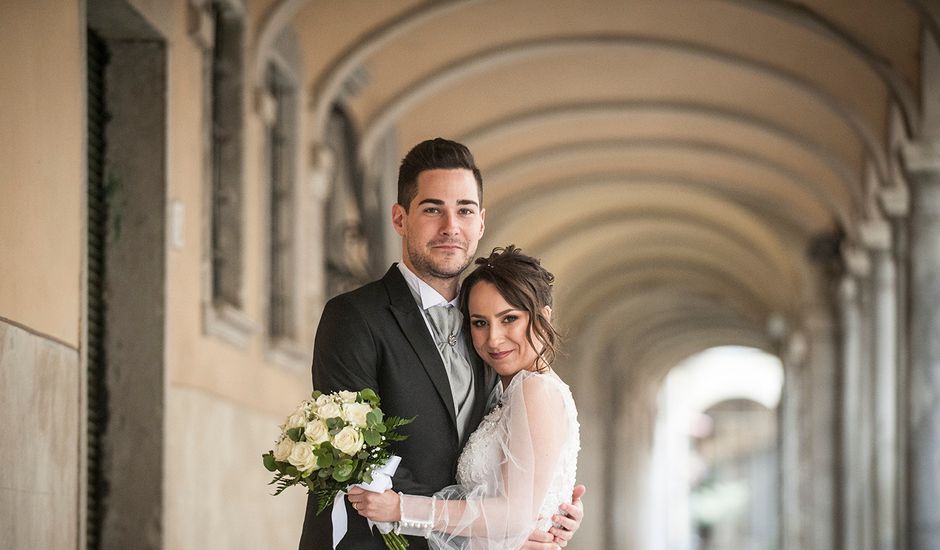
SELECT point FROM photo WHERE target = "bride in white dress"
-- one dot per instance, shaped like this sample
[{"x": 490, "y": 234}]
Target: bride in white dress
[{"x": 519, "y": 465}]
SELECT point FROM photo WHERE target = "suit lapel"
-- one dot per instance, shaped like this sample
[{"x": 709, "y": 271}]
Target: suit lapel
[{"x": 415, "y": 330}]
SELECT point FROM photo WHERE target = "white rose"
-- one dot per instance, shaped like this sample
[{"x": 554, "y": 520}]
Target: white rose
[
  {"x": 316, "y": 432},
  {"x": 348, "y": 396},
  {"x": 356, "y": 413},
  {"x": 296, "y": 420},
  {"x": 324, "y": 399},
  {"x": 283, "y": 449},
  {"x": 302, "y": 457},
  {"x": 329, "y": 410},
  {"x": 348, "y": 440}
]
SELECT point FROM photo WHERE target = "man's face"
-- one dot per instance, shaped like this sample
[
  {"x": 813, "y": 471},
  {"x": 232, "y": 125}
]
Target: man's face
[{"x": 443, "y": 225}]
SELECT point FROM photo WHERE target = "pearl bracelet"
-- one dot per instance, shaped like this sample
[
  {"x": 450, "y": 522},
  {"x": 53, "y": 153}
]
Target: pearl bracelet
[{"x": 415, "y": 527}]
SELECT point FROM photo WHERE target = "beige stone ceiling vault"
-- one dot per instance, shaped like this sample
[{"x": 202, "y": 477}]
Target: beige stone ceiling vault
[
  {"x": 852, "y": 32},
  {"x": 727, "y": 169},
  {"x": 673, "y": 277},
  {"x": 635, "y": 327},
  {"x": 794, "y": 217},
  {"x": 652, "y": 267},
  {"x": 644, "y": 118},
  {"x": 798, "y": 90},
  {"x": 571, "y": 211},
  {"x": 670, "y": 160}
]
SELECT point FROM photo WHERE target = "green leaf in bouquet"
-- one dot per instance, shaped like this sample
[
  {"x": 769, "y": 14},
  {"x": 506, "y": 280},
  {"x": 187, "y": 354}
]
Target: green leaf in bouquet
[
  {"x": 369, "y": 395},
  {"x": 292, "y": 471},
  {"x": 325, "y": 498},
  {"x": 335, "y": 424},
  {"x": 362, "y": 455},
  {"x": 324, "y": 454},
  {"x": 281, "y": 482},
  {"x": 311, "y": 483},
  {"x": 277, "y": 477},
  {"x": 343, "y": 470},
  {"x": 295, "y": 434},
  {"x": 396, "y": 421},
  {"x": 395, "y": 437},
  {"x": 270, "y": 464},
  {"x": 372, "y": 437},
  {"x": 315, "y": 394},
  {"x": 324, "y": 473},
  {"x": 374, "y": 418}
]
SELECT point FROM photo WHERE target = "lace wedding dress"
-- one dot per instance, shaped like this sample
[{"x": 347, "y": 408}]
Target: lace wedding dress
[{"x": 517, "y": 468}]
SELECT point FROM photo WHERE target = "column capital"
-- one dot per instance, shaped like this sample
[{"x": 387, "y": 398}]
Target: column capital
[
  {"x": 796, "y": 348},
  {"x": 922, "y": 156},
  {"x": 777, "y": 326},
  {"x": 875, "y": 235},
  {"x": 856, "y": 260},
  {"x": 848, "y": 288},
  {"x": 322, "y": 160},
  {"x": 895, "y": 201},
  {"x": 266, "y": 106}
]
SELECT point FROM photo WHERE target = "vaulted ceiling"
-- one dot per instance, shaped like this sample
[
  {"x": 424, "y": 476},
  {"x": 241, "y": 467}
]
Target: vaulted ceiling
[{"x": 670, "y": 160}]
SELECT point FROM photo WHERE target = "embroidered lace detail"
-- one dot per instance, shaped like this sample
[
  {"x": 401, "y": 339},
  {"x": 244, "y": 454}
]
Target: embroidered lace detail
[{"x": 483, "y": 451}]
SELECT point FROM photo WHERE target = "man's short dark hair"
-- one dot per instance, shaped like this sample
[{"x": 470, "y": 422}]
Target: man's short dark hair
[{"x": 433, "y": 154}]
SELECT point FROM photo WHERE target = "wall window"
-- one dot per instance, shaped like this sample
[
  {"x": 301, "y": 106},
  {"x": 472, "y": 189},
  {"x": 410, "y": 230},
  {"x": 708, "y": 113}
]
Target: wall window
[
  {"x": 281, "y": 149},
  {"x": 218, "y": 27},
  {"x": 225, "y": 159}
]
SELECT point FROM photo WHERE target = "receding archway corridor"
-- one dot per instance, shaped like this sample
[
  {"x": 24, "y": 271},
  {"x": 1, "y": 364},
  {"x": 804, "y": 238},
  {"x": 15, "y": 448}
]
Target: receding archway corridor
[{"x": 187, "y": 182}]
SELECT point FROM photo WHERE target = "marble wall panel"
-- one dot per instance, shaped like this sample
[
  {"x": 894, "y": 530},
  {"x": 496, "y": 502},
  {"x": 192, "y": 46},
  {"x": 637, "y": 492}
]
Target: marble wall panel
[
  {"x": 216, "y": 486},
  {"x": 39, "y": 430}
]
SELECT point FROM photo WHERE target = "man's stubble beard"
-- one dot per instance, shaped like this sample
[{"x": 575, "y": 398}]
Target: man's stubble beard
[{"x": 424, "y": 265}]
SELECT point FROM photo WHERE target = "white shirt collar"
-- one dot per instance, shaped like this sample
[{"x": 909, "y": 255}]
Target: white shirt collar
[{"x": 422, "y": 291}]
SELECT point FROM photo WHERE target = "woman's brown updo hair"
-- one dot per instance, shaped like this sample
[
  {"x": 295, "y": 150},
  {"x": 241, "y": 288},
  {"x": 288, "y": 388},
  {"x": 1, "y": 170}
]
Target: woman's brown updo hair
[{"x": 525, "y": 285}]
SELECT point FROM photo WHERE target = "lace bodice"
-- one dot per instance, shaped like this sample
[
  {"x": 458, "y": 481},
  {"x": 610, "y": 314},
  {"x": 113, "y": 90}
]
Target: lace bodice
[{"x": 484, "y": 452}]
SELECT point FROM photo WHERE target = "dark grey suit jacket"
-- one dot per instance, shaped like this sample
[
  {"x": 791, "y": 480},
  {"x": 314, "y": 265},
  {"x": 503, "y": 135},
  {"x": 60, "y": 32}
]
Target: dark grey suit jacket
[{"x": 376, "y": 337}]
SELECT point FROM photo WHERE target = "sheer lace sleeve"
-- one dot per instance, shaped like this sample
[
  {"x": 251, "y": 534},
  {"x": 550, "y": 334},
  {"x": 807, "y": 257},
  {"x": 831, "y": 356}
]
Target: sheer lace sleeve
[{"x": 501, "y": 507}]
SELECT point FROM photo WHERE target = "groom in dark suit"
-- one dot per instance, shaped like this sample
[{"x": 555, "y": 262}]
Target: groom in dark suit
[{"x": 385, "y": 335}]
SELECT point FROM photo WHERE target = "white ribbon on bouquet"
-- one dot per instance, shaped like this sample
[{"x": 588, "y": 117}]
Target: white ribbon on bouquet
[{"x": 381, "y": 480}]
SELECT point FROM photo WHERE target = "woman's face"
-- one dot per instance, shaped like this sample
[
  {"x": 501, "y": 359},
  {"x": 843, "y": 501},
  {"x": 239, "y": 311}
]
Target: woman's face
[{"x": 498, "y": 331}]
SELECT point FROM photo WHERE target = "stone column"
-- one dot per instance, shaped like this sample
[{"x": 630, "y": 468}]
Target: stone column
[
  {"x": 851, "y": 340},
  {"x": 791, "y": 496},
  {"x": 877, "y": 237},
  {"x": 923, "y": 164},
  {"x": 820, "y": 410},
  {"x": 895, "y": 202}
]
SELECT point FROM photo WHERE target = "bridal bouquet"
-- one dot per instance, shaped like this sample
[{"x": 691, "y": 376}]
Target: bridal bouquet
[{"x": 332, "y": 441}]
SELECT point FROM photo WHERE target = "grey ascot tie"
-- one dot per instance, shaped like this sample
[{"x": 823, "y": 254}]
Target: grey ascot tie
[{"x": 445, "y": 322}]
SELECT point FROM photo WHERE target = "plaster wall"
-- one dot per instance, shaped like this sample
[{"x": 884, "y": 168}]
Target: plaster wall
[
  {"x": 217, "y": 490},
  {"x": 41, "y": 152},
  {"x": 39, "y": 405}
]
